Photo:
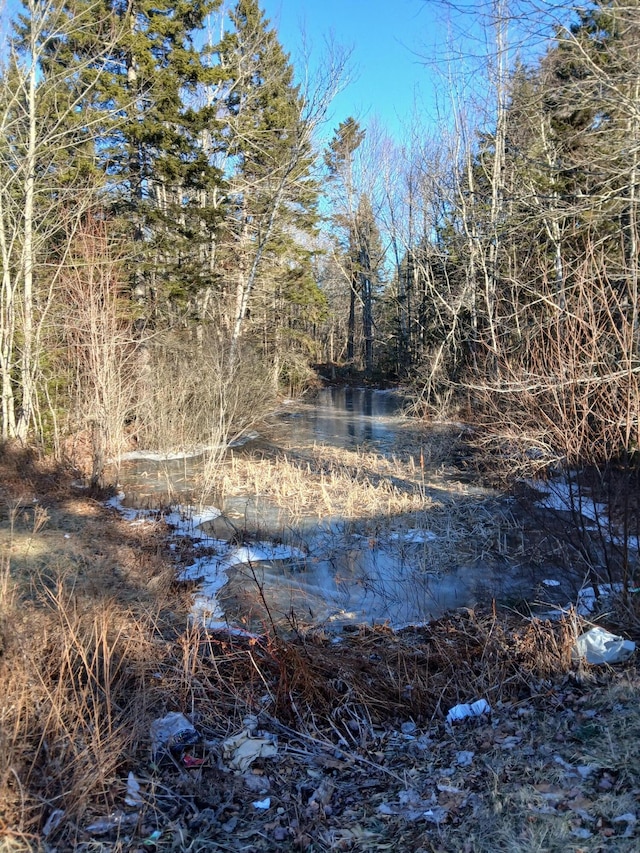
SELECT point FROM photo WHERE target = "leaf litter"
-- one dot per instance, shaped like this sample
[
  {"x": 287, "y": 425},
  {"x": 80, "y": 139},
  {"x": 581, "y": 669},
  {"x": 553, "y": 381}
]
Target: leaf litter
[{"x": 354, "y": 769}]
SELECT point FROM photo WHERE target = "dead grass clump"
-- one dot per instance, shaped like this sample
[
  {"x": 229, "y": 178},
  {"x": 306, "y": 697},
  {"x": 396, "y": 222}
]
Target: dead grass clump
[
  {"x": 73, "y": 706},
  {"x": 322, "y": 488},
  {"x": 503, "y": 455},
  {"x": 378, "y": 676},
  {"x": 26, "y": 473},
  {"x": 380, "y": 495},
  {"x": 623, "y": 613},
  {"x": 79, "y": 637}
]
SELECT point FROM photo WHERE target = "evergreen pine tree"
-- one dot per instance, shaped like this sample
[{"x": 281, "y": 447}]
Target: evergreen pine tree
[
  {"x": 158, "y": 171},
  {"x": 272, "y": 191}
]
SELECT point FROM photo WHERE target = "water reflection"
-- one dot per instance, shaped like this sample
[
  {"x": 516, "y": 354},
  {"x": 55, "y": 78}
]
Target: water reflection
[
  {"x": 347, "y": 417},
  {"x": 365, "y": 570}
]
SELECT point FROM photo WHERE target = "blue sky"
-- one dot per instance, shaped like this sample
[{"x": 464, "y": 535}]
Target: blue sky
[
  {"x": 405, "y": 50},
  {"x": 398, "y": 48},
  {"x": 386, "y": 36}
]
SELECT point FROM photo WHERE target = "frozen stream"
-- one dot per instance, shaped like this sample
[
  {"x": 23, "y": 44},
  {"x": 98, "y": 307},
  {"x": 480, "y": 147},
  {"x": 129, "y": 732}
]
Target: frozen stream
[{"x": 260, "y": 562}]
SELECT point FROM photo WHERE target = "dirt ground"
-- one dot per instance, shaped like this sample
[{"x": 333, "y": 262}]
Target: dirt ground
[{"x": 314, "y": 742}]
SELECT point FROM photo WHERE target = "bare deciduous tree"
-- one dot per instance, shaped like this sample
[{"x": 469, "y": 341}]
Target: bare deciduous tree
[
  {"x": 103, "y": 354},
  {"x": 45, "y": 135}
]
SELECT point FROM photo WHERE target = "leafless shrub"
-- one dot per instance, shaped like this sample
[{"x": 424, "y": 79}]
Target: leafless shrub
[
  {"x": 102, "y": 352},
  {"x": 198, "y": 399},
  {"x": 567, "y": 399}
]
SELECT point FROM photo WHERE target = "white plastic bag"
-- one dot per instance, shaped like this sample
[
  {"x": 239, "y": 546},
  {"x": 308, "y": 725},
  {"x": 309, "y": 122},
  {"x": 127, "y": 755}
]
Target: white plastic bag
[
  {"x": 475, "y": 709},
  {"x": 599, "y": 646}
]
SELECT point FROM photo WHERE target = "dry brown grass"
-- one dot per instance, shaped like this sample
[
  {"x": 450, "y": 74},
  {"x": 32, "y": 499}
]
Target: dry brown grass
[
  {"x": 71, "y": 709},
  {"x": 93, "y": 647},
  {"x": 375, "y": 675},
  {"x": 345, "y": 483},
  {"x": 75, "y": 652},
  {"x": 378, "y": 497},
  {"x": 358, "y": 484}
]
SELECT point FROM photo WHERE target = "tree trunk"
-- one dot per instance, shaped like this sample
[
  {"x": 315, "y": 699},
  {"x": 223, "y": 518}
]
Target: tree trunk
[{"x": 27, "y": 371}]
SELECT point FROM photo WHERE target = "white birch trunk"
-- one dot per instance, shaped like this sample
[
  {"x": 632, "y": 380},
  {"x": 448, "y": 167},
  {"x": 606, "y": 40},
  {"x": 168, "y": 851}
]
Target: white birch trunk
[{"x": 27, "y": 367}]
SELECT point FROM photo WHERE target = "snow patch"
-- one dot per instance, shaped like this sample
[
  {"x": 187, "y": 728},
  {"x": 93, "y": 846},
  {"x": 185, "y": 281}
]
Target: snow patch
[
  {"x": 127, "y": 512},
  {"x": 564, "y": 496},
  {"x": 172, "y": 456},
  {"x": 187, "y": 520},
  {"x": 586, "y": 601},
  {"x": 154, "y": 456},
  {"x": 212, "y": 574}
]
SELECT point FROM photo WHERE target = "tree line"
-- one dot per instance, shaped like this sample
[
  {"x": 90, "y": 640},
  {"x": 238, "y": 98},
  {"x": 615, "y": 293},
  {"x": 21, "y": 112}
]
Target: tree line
[
  {"x": 177, "y": 241},
  {"x": 511, "y": 239}
]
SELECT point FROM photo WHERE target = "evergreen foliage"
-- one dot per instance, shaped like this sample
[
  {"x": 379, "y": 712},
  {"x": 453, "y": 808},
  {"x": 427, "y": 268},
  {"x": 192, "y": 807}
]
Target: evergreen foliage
[{"x": 272, "y": 193}]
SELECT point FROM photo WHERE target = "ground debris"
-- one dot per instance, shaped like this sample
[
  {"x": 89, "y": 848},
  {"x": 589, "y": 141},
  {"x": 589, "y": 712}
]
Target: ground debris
[
  {"x": 241, "y": 750},
  {"x": 598, "y": 646}
]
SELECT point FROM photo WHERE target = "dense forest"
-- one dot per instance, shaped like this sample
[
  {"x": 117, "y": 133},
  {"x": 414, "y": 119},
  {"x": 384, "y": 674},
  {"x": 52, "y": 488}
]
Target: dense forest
[
  {"x": 392, "y": 629},
  {"x": 182, "y": 238}
]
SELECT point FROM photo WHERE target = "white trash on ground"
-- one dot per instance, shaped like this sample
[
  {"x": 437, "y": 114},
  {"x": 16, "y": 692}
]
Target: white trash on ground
[
  {"x": 475, "y": 709},
  {"x": 243, "y": 749},
  {"x": 116, "y": 820},
  {"x": 412, "y": 807},
  {"x": 600, "y": 646},
  {"x": 260, "y": 784},
  {"x": 53, "y": 822},
  {"x": 133, "y": 797}
]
